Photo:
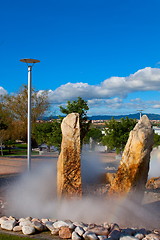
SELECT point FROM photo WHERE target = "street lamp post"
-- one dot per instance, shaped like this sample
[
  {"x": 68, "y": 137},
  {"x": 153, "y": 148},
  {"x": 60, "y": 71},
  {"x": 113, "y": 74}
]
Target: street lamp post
[
  {"x": 30, "y": 63},
  {"x": 140, "y": 113}
]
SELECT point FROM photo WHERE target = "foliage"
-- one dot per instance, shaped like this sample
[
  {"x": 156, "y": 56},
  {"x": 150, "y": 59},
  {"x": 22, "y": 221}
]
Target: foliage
[
  {"x": 117, "y": 133},
  {"x": 78, "y": 106},
  {"x": 16, "y": 106},
  {"x": 156, "y": 140},
  {"x": 95, "y": 134},
  {"x": 49, "y": 133}
]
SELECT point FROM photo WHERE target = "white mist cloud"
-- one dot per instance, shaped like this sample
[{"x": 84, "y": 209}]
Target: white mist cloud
[{"x": 2, "y": 91}]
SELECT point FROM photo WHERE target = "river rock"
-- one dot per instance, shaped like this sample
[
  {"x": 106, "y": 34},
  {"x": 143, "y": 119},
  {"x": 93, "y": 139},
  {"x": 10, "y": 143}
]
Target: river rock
[
  {"x": 152, "y": 236},
  {"x": 128, "y": 238},
  {"x": 79, "y": 230},
  {"x": 98, "y": 230},
  {"x": 25, "y": 223},
  {"x": 132, "y": 173},
  {"x": 8, "y": 224},
  {"x": 17, "y": 229},
  {"x": 69, "y": 183},
  {"x": 90, "y": 236},
  {"x": 28, "y": 230},
  {"x": 65, "y": 232},
  {"x": 60, "y": 224},
  {"x": 2, "y": 219},
  {"x": 38, "y": 226},
  {"x": 76, "y": 236}
]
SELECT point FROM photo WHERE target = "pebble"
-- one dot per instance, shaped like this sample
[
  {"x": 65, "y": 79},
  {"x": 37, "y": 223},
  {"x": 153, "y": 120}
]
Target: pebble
[
  {"x": 8, "y": 224},
  {"x": 25, "y": 223},
  {"x": 50, "y": 226},
  {"x": 90, "y": 236},
  {"x": 76, "y": 236},
  {"x": 77, "y": 230},
  {"x": 38, "y": 226},
  {"x": 152, "y": 236},
  {"x": 17, "y": 229},
  {"x": 128, "y": 238},
  {"x": 55, "y": 231},
  {"x": 101, "y": 237},
  {"x": 65, "y": 232},
  {"x": 28, "y": 230},
  {"x": 60, "y": 224},
  {"x": 3, "y": 218},
  {"x": 139, "y": 236}
]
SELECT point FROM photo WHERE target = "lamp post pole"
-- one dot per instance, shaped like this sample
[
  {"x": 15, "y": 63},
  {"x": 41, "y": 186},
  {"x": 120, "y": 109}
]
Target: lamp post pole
[
  {"x": 29, "y": 116},
  {"x": 140, "y": 113},
  {"x": 30, "y": 63}
]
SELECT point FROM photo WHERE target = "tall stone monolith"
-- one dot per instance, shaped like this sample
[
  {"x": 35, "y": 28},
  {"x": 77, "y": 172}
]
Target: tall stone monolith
[
  {"x": 69, "y": 183},
  {"x": 132, "y": 173}
]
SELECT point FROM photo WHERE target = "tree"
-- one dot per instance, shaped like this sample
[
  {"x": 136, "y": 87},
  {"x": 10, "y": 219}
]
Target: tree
[
  {"x": 95, "y": 134},
  {"x": 49, "y": 133},
  {"x": 156, "y": 140},
  {"x": 78, "y": 106},
  {"x": 16, "y": 105},
  {"x": 117, "y": 133},
  {"x": 5, "y": 126}
]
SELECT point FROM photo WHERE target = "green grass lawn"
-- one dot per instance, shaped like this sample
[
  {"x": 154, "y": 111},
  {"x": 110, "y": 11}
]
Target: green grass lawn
[
  {"x": 17, "y": 150},
  {"x": 5, "y": 236}
]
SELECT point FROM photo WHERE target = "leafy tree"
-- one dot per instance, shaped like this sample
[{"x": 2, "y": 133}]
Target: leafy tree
[
  {"x": 5, "y": 126},
  {"x": 95, "y": 134},
  {"x": 78, "y": 106},
  {"x": 49, "y": 133},
  {"x": 156, "y": 140},
  {"x": 117, "y": 133},
  {"x": 16, "y": 105}
]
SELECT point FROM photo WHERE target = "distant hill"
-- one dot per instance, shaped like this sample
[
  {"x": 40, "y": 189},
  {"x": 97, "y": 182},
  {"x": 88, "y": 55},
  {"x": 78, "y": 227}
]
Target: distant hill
[{"x": 151, "y": 116}]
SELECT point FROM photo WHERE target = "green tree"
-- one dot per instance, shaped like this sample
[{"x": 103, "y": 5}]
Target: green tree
[
  {"x": 117, "y": 133},
  {"x": 78, "y": 106},
  {"x": 95, "y": 134},
  {"x": 156, "y": 140},
  {"x": 48, "y": 133}
]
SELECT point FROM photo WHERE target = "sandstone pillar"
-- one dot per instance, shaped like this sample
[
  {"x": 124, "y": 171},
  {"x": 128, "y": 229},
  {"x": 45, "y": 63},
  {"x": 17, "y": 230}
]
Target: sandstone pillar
[
  {"x": 132, "y": 173},
  {"x": 69, "y": 182}
]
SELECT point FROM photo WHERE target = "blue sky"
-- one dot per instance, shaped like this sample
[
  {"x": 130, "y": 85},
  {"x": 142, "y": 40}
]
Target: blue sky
[{"x": 106, "y": 51}]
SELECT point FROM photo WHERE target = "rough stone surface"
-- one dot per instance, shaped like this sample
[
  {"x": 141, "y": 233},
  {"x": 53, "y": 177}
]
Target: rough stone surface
[
  {"x": 8, "y": 224},
  {"x": 99, "y": 230},
  {"x": 133, "y": 170},
  {"x": 152, "y": 236},
  {"x": 28, "y": 230},
  {"x": 69, "y": 183},
  {"x": 65, "y": 232},
  {"x": 25, "y": 223},
  {"x": 90, "y": 236},
  {"x": 38, "y": 226},
  {"x": 79, "y": 230},
  {"x": 75, "y": 236},
  {"x": 17, "y": 229},
  {"x": 153, "y": 183},
  {"x": 128, "y": 238},
  {"x": 60, "y": 224}
]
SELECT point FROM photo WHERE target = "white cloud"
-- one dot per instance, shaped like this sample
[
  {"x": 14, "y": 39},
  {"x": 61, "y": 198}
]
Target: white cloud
[
  {"x": 2, "y": 91},
  {"x": 142, "y": 80}
]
